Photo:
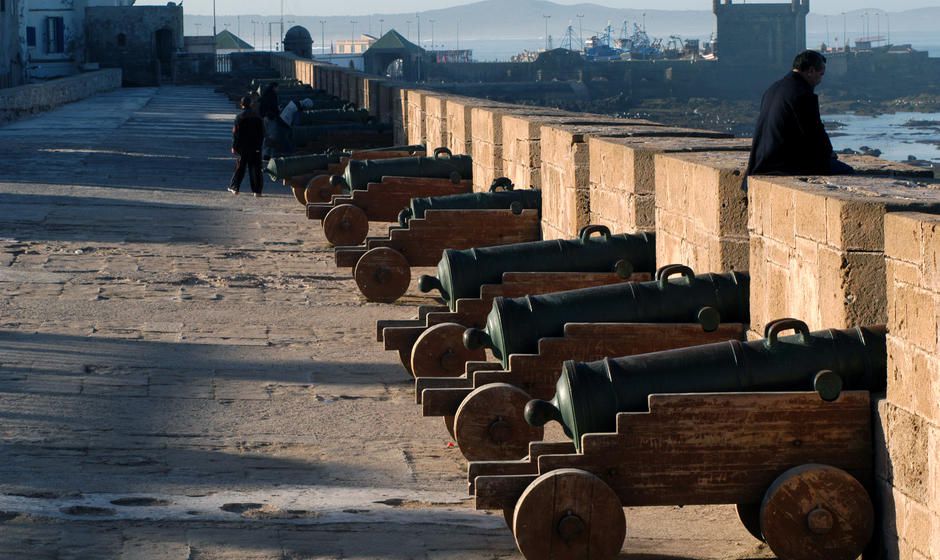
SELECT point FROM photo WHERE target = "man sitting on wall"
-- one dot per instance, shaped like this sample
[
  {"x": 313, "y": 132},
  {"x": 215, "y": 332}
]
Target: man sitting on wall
[{"x": 790, "y": 138}]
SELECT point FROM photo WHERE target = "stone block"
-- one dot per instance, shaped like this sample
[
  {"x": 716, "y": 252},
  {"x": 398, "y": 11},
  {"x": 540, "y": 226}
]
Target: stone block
[
  {"x": 705, "y": 188},
  {"x": 907, "y": 436},
  {"x": 435, "y": 114},
  {"x": 904, "y": 237},
  {"x": 416, "y": 116}
]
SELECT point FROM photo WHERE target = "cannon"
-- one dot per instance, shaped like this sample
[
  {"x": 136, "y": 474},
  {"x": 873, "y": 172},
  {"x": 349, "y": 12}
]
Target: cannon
[
  {"x": 322, "y": 116},
  {"x": 283, "y": 168},
  {"x": 433, "y": 345},
  {"x": 441, "y": 165},
  {"x": 299, "y": 172},
  {"x": 322, "y": 137},
  {"x": 346, "y": 218},
  {"x": 588, "y": 396},
  {"x": 357, "y": 176},
  {"x": 382, "y": 267},
  {"x": 515, "y": 325},
  {"x": 781, "y": 427},
  {"x": 461, "y": 273},
  {"x": 502, "y": 194},
  {"x": 798, "y": 467},
  {"x": 484, "y": 409}
]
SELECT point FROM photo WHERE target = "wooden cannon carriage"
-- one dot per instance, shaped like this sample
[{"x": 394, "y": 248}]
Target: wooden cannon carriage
[
  {"x": 483, "y": 409},
  {"x": 432, "y": 344},
  {"x": 382, "y": 267},
  {"x": 345, "y": 218},
  {"x": 797, "y": 466}
]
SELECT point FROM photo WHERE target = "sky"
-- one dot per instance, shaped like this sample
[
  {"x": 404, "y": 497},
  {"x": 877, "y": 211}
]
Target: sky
[{"x": 360, "y": 7}]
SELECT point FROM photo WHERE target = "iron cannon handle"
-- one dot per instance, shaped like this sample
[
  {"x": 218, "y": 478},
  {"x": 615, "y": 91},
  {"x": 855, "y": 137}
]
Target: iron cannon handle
[
  {"x": 504, "y": 183},
  {"x": 774, "y": 329},
  {"x": 338, "y": 181},
  {"x": 587, "y": 231},
  {"x": 664, "y": 273},
  {"x": 474, "y": 339},
  {"x": 438, "y": 152},
  {"x": 427, "y": 283}
]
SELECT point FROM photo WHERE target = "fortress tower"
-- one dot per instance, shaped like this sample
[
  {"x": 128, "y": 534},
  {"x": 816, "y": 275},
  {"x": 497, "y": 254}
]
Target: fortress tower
[{"x": 764, "y": 36}]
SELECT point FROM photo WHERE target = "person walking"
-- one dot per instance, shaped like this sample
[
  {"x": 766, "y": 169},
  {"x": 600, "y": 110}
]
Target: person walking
[
  {"x": 247, "y": 138},
  {"x": 790, "y": 138}
]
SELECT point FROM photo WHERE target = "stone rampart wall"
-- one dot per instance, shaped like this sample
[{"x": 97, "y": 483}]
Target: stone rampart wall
[{"x": 20, "y": 101}]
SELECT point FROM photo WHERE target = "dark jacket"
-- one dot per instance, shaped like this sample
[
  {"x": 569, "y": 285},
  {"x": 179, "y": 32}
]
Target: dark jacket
[
  {"x": 248, "y": 132},
  {"x": 268, "y": 105},
  {"x": 790, "y": 138}
]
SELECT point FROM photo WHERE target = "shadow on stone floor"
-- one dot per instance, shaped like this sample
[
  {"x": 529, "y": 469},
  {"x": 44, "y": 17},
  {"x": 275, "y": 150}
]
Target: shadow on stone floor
[
  {"x": 43, "y": 217},
  {"x": 24, "y": 354}
]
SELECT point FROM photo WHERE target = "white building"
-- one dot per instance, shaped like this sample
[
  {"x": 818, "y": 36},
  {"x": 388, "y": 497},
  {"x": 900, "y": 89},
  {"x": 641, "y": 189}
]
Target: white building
[
  {"x": 354, "y": 47},
  {"x": 52, "y": 35}
]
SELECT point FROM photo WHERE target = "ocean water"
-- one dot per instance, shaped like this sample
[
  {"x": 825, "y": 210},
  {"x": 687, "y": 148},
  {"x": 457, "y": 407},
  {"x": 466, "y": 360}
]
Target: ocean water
[
  {"x": 893, "y": 134},
  {"x": 489, "y": 50}
]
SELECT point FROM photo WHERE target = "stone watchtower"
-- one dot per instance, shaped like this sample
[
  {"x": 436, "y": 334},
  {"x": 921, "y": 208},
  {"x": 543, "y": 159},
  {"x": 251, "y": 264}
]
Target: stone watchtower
[{"x": 764, "y": 36}]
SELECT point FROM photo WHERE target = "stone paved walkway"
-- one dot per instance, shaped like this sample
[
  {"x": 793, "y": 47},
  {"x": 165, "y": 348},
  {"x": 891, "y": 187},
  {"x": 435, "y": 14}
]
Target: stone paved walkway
[{"x": 184, "y": 373}]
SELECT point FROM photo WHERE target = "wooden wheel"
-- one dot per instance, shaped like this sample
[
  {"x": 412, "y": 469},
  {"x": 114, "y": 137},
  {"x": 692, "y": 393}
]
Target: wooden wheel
[
  {"x": 383, "y": 274},
  {"x": 569, "y": 514},
  {"x": 817, "y": 512},
  {"x": 319, "y": 189},
  {"x": 300, "y": 194},
  {"x": 346, "y": 225},
  {"x": 749, "y": 515},
  {"x": 490, "y": 426},
  {"x": 449, "y": 424},
  {"x": 439, "y": 352}
]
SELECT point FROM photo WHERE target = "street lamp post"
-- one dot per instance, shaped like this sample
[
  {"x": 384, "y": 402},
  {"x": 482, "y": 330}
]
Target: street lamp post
[
  {"x": 546, "y": 30},
  {"x": 213, "y": 18},
  {"x": 381, "y": 27},
  {"x": 322, "y": 36},
  {"x": 581, "y": 30},
  {"x": 254, "y": 34},
  {"x": 353, "y": 35},
  {"x": 432, "y": 33}
]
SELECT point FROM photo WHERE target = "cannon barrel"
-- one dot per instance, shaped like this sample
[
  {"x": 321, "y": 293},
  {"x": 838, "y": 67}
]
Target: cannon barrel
[
  {"x": 515, "y": 325},
  {"x": 588, "y": 396},
  {"x": 460, "y": 273},
  {"x": 280, "y": 168},
  {"x": 360, "y": 173},
  {"x": 302, "y": 135},
  {"x": 517, "y": 201},
  {"x": 318, "y": 116}
]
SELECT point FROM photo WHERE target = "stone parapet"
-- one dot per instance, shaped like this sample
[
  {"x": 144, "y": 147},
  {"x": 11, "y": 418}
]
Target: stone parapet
[
  {"x": 565, "y": 173},
  {"x": 17, "y": 102},
  {"x": 487, "y": 134},
  {"x": 817, "y": 244},
  {"x": 522, "y": 141},
  {"x": 908, "y": 465},
  {"x": 623, "y": 176}
]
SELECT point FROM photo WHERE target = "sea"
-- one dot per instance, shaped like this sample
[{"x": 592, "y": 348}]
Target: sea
[
  {"x": 899, "y": 136},
  {"x": 501, "y": 50}
]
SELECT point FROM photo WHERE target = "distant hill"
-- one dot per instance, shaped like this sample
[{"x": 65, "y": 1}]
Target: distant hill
[{"x": 523, "y": 19}]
